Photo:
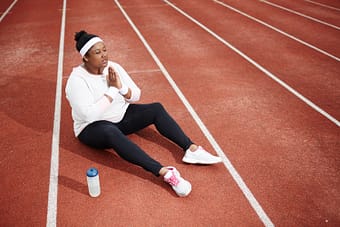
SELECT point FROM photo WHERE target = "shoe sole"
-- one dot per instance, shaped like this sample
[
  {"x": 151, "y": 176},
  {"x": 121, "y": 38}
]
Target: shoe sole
[{"x": 194, "y": 161}]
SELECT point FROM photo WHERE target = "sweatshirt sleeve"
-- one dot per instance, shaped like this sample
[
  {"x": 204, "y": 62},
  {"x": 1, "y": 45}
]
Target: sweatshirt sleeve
[
  {"x": 82, "y": 102},
  {"x": 126, "y": 80}
]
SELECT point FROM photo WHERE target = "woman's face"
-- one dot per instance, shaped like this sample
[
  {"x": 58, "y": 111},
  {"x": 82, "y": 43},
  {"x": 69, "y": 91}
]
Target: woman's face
[{"x": 97, "y": 56}]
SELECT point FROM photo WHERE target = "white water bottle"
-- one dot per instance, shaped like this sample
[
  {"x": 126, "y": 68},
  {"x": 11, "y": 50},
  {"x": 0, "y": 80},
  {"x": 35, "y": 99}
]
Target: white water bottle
[{"x": 93, "y": 184}]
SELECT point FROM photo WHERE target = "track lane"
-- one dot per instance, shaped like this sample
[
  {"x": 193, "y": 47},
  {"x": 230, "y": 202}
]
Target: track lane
[
  {"x": 329, "y": 4},
  {"x": 327, "y": 15},
  {"x": 27, "y": 83},
  {"x": 273, "y": 125}
]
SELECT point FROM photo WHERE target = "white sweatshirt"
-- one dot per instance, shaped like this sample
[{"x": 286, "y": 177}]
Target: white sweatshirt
[{"x": 85, "y": 93}]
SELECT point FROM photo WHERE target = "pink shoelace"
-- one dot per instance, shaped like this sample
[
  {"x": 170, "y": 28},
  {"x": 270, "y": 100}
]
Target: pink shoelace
[{"x": 173, "y": 180}]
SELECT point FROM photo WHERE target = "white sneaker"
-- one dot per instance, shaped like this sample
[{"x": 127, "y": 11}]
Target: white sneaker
[
  {"x": 200, "y": 156},
  {"x": 179, "y": 185}
]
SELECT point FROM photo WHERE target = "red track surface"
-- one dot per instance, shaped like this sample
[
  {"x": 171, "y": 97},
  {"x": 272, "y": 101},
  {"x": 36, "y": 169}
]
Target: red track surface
[{"x": 286, "y": 152}]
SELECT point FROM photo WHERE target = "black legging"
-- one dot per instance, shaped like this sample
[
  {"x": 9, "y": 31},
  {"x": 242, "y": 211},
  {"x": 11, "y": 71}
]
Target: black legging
[{"x": 105, "y": 134}]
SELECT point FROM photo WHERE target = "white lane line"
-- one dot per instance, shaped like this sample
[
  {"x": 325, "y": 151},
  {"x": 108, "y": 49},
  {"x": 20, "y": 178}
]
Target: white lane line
[
  {"x": 54, "y": 168},
  {"x": 323, "y": 5},
  {"x": 8, "y": 9},
  {"x": 278, "y": 30},
  {"x": 144, "y": 71},
  {"x": 256, "y": 206},
  {"x": 300, "y": 14},
  {"x": 261, "y": 68}
]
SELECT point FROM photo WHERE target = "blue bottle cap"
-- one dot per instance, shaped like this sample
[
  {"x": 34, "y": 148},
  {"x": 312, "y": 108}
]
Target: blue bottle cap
[{"x": 92, "y": 172}]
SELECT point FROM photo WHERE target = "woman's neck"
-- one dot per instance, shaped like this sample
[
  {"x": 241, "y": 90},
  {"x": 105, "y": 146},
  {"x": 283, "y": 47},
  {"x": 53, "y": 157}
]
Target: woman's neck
[{"x": 93, "y": 70}]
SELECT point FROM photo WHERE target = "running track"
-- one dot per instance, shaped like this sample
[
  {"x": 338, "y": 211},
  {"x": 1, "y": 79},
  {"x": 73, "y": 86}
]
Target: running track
[{"x": 256, "y": 82}]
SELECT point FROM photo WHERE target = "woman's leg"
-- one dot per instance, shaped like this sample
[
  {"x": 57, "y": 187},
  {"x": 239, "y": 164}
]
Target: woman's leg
[
  {"x": 104, "y": 134},
  {"x": 139, "y": 116}
]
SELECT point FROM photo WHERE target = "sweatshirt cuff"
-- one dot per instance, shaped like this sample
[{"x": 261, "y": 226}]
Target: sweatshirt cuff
[
  {"x": 124, "y": 90},
  {"x": 112, "y": 92}
]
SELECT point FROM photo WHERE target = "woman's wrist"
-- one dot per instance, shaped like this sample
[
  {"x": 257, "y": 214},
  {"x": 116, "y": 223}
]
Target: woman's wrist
[{"x": 124, "y": 90}]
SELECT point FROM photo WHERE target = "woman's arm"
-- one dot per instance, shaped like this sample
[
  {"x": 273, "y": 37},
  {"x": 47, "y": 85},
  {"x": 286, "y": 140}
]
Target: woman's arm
[
  {"x": 82, "y": 101},
  {"x": 133, "y": 93}
]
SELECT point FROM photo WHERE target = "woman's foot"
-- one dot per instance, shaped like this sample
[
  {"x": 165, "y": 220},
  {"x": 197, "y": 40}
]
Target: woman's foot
[
  {"x": 197, "y": 155},
  {"x": 181, "y": 186}
]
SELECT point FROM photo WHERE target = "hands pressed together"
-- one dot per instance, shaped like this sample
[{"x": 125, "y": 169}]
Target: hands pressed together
[{"x": 113, "y": 79}]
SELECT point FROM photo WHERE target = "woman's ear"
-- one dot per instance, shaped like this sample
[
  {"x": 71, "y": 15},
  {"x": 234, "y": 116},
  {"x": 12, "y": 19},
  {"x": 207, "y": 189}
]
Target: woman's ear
[{"x": 85, "y": 59}]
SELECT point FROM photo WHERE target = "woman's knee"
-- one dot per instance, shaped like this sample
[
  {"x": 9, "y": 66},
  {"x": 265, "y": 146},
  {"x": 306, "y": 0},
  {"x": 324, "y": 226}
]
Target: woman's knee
[{"x": 158, "y": 107}]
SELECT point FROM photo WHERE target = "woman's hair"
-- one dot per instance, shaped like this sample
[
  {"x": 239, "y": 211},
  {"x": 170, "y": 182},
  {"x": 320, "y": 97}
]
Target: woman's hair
[{"x": 82, "y": 38}]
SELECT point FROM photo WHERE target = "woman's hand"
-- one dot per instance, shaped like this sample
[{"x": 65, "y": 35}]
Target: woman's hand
[{"x": 113, "y": 79}]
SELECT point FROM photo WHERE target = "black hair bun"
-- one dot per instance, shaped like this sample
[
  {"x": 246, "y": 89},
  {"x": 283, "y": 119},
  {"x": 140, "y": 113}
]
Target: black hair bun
[
  {"x": 78, "y": 35},
  {"x": 82, "y": 38}
]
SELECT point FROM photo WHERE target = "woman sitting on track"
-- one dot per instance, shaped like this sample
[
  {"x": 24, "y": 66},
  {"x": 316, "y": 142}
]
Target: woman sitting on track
[{"x": 102, "y": 96}]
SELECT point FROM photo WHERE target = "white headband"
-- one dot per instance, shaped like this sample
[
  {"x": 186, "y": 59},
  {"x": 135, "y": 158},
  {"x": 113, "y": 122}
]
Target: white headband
[{"x": 89, "y": 44}]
